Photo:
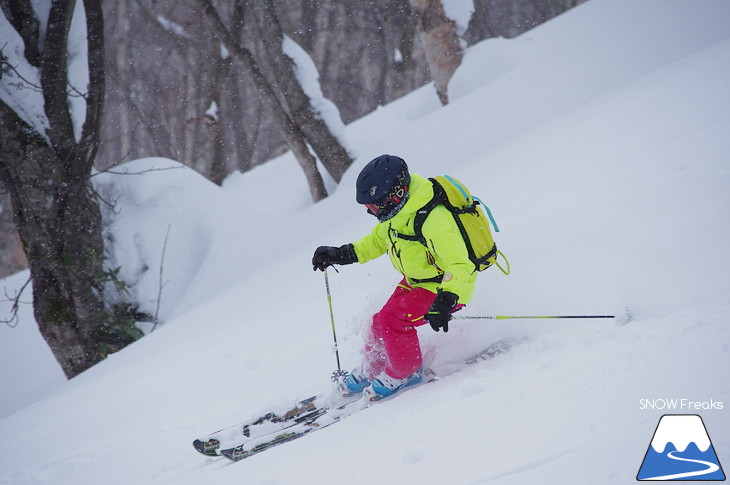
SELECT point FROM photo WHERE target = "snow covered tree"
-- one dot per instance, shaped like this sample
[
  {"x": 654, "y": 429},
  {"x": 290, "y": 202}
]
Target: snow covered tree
[{"x": 51, "y": 98}]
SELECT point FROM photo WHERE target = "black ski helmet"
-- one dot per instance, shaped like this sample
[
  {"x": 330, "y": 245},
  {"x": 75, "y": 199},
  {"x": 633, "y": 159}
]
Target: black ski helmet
[{"x": 382, "y": 186}]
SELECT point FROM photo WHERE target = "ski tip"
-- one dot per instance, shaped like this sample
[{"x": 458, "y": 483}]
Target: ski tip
[
  {"x": 232, "y": 454},
  {"x": 207, "y": 448}
]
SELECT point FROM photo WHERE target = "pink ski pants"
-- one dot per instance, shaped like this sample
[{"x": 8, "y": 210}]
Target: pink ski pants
[{"x": 393, "y": 343}]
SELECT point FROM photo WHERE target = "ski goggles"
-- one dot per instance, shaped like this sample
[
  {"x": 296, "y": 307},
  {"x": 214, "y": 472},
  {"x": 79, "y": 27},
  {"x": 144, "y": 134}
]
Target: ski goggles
[{"x": 387, "y": 203}]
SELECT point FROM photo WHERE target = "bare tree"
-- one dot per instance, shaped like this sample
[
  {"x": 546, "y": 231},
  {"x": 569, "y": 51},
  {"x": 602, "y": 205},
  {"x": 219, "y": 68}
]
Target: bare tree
[
  {"x": 218, "y": 169},
  {"x": 292, "y": 96},
  {"x": 440, "y": 42},
  {"x": 229, "y": 36},
  {"x": 510, "y": 18},
  {"x": 47, "y": 149}
]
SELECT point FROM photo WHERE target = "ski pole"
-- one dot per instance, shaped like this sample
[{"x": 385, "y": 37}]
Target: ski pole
[
  {"x": 339, "y": 372},
  {"x": 524, "y": 317}
]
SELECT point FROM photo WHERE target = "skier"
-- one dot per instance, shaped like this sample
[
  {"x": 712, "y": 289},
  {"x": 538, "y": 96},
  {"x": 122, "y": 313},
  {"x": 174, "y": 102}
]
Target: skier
[{"x": 437, "y": 280}]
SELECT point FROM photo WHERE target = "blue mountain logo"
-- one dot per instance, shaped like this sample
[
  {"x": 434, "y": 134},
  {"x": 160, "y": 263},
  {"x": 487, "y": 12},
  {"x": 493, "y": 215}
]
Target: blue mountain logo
[{"x": 681, "y": 450}]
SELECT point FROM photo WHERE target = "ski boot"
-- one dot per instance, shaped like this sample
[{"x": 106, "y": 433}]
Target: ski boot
[
  {"x": 384, "y": 385},
  {"x": 353, "y": 383}
]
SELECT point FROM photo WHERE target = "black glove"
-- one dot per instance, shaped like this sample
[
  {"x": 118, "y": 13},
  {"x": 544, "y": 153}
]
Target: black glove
[
  {"x": 327, "y": 256},
  {"x": 440, "y": 312}
]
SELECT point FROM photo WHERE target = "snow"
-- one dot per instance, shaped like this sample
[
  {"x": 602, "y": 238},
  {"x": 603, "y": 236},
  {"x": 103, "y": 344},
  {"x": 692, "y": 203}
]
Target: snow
[
  {"x": 603, "y": 154},
  {"x": 78, "y": 69},
  {"x": 460, "y": 11},
  {"x": 151, "y": 197},
  {"x": 397, "y": 55},
  {"x": 20, "y": 83},
  {"x": 224, "y": 52},
  {"x": 212, "y": 111},
  {"x": 173, "y": 27}
]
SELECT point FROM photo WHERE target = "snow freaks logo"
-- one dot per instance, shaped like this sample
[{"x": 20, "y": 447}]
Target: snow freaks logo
[{"x": 681, "y": 450}]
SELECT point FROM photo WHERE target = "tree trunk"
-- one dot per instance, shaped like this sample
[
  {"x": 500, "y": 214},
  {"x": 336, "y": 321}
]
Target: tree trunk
[
  {"x": 440, "y": 43},
  {"x": 299, "y": 106},
  {"x": 60, "y": 226},
  {"x": 12, "y": 257},
  {"x": 218, "y": 169},
  {"x": 58, "y": 220}
]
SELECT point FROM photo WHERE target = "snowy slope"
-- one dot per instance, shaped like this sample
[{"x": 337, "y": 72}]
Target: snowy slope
[{"x": 599, "y": 140}]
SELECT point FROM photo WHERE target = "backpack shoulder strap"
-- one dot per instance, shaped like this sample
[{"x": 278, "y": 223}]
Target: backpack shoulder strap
[{"x": 423, "y": 212}]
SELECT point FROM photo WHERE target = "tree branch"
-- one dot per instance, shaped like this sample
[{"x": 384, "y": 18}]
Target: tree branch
[
  {"x": 95, "y": 95},
  {"x": 161, "y": 285},
  {"x": 13, "y": 320},
  {"x": 54, "y": 75}
]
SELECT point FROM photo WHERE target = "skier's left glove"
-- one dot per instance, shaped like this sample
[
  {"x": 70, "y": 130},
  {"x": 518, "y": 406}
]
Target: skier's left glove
[{"x": 439, "y": 314}]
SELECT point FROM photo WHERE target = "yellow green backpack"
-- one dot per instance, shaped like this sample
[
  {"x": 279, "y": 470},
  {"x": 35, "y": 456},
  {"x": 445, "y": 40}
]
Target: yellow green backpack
[{"x": 470, "y": 218}]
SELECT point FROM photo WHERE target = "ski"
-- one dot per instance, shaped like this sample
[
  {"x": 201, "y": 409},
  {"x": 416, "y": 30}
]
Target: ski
[
  {"x": 325, "y": 416},
  {"x": 266, "y": 424},
  {"x": 287, "y": 423},
  {"x": 497, "y": 348}
]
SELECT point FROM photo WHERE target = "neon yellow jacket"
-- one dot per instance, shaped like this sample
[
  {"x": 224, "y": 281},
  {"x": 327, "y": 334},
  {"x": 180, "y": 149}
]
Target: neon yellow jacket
[{"x": 446, "y": 253}]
